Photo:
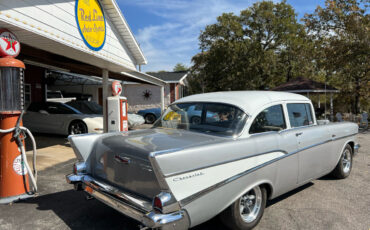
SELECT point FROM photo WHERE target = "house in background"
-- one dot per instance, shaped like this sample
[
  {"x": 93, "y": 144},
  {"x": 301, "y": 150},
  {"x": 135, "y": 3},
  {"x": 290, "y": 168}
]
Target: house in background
[
  {"x": 144, "y": 96},
  {"x": 175, "y": 83}
]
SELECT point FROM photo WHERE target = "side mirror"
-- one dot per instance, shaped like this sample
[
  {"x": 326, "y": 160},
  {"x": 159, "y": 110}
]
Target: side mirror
[{"x": 43, "y": 112}]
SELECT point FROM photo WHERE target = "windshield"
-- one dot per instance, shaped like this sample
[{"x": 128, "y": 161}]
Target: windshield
[{"x": 212, "y": 118}]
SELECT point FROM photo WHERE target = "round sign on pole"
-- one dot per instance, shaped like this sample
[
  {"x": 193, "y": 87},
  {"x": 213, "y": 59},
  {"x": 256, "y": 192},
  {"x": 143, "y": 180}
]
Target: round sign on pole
[
  {"x": 91, "y": 23},
  {"x": 116, "y": 88},
  {"x": 9, "y": 44}
]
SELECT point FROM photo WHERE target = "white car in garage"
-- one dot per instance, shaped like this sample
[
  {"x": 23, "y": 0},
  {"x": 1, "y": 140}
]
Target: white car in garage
[{"x": 59, "y": 118}]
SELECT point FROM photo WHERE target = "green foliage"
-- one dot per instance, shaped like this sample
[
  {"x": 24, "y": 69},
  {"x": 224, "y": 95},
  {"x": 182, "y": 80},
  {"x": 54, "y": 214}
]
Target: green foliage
[
  {"x": 265, "y": 46},
  {"x": 342, "y": 37},
  {"x": 180, "y": 67},
  {"x": 258, "y": 49}
]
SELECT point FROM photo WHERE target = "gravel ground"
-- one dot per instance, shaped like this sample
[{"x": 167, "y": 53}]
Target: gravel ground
[{"x": 325, "y": 203}]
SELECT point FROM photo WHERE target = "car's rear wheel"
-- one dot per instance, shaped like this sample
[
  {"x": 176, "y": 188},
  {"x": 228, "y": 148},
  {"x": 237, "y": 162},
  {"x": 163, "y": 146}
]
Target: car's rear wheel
[
  {"x": 150, "y": 118},
  {"x": 247, "y": 211},
  {"x": 195, "y": 120},
  {"x": 344, "y": 166},
  {"x": 77, "y": 127}
]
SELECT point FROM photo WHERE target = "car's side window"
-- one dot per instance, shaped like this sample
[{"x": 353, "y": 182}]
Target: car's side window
[
  {"x": 270, "y": 119},
  {"x": 300, "y": 114}
]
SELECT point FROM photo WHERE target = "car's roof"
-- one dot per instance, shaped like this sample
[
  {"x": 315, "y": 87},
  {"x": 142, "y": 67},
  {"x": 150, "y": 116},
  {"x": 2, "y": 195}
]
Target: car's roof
[{"x": 246, "y": 100}]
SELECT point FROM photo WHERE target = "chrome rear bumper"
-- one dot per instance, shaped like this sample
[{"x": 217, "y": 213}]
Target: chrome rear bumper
[{"x": 129, "y": 204}]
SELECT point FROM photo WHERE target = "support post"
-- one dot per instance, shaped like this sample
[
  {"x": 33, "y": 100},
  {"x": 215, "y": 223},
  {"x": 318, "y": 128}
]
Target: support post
[
  {"x": 105, "y": 95},
  {"x": 331, "y": 107},
  {"x": 162, "y": 99}
]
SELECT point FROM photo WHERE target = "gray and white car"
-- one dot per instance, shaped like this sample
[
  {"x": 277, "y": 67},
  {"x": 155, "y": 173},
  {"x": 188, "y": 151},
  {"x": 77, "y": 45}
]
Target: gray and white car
[{"x": 180, "y": 174}]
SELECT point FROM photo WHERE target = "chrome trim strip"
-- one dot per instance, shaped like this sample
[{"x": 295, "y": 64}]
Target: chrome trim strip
[
  {"x": 158, "y": 173},
  {"x": 195, "y": 196},
  {"x": 224, "y": 162},
  {"x": 338, "y": 138}
]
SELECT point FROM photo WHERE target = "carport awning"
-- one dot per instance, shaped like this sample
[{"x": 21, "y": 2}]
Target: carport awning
[
  {"x": 304, "y": 85},
  {"x": 32, "y": 55}
]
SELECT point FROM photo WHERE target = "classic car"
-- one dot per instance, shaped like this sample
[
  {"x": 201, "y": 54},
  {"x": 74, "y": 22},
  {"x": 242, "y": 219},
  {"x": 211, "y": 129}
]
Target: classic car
[
  {"x": 60, "y": 118},
  {"x": 91, "y": 107},
  {"x": 150, "y": 115},
  {"x": 179, "y": 174}
]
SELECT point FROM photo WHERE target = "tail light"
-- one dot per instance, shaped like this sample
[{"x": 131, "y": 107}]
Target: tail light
[{"x": 157, "y": 204}]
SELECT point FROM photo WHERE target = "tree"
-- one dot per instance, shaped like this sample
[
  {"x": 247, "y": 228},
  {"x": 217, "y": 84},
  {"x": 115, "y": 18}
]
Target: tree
[
  {"x": 342, "y": 40},
  {"x": 255, "y": 50},
  {"x": 180, "y": 67}
]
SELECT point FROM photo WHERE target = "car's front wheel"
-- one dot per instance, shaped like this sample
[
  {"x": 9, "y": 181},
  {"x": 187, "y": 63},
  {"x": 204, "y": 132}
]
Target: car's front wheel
[
  {"x": 247, "y": 211},
  {"x": 344, "y": 166},
  {"x": 77, "y": 127}
]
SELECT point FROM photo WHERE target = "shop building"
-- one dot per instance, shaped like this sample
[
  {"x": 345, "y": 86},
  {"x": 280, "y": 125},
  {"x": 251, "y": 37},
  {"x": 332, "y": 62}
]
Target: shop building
[{"x": 85, "y": 37}]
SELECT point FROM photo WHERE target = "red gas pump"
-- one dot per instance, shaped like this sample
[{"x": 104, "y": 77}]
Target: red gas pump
[
  {"x": 14, "y": 169},
  {"x": 117, "y": 110}
]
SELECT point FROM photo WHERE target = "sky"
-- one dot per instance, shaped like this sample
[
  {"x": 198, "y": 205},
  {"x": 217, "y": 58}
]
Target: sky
[{"x": 168, "y": 30}]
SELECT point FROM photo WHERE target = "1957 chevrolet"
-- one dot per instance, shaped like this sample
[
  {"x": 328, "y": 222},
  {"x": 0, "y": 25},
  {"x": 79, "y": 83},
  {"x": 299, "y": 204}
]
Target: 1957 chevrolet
[{"x": 246, "y": 147}]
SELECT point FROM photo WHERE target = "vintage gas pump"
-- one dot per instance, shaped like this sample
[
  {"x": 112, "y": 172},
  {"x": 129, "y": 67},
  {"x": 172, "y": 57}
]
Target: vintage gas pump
[
  {"x": 15, "y": 173},
  {"x": 117, "y": 110}
]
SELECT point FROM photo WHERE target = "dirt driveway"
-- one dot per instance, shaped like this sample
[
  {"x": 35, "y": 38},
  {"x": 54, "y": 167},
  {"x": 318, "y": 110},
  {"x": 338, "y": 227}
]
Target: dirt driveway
[{"x": 322, "y": 204}]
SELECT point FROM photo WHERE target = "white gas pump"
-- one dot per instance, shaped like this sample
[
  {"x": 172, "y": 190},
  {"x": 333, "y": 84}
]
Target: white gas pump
[{"x": 117, "y": 110}]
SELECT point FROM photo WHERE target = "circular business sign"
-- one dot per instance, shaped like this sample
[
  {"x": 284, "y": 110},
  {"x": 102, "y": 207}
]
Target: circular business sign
[
  {"x": 9, "y": 44},
  {"x": 116, "y": 88},
  {"x": 19, "y": 166},
  {"x": 91, "y": 23}
]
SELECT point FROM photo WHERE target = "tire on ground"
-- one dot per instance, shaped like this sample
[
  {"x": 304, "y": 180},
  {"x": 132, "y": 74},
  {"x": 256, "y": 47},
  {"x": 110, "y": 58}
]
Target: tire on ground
[
  {"x": 81, "y": 127},
  {"x": 232, "y": 218},
  {"x": 150, "y": 118},
  {"x": 342, "y": 170}
]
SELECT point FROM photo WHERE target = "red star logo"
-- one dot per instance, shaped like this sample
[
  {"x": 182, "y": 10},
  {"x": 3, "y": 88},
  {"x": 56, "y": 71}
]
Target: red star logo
[{"x": 11, "y": 43}]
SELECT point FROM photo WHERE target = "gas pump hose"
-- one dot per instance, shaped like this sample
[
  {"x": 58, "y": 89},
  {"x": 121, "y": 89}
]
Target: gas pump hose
[{"x": 17, "y": 131}]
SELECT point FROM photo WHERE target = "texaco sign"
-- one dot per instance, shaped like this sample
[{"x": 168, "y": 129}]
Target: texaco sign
[
  {"x": 9, "y": 44},
  {"x": 116, "y": 88}
]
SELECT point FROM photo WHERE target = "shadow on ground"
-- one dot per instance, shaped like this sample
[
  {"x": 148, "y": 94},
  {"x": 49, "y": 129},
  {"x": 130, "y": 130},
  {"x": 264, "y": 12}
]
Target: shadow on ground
[
  {"x": 76, "y": 212},
  {"x": 47, "y": 140}
]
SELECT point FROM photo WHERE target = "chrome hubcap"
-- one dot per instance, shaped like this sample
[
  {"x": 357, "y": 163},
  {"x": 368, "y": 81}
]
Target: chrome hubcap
[
  {"x": 346, "y": 161},
  {"x": 250, "y": 204},
  {"x": 77, "y": 129}
]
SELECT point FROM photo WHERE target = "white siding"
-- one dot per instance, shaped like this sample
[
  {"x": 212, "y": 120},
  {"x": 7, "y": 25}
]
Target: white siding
[
  {"x": 55, "y": 20},
  {"x": 136, "y": 101}
]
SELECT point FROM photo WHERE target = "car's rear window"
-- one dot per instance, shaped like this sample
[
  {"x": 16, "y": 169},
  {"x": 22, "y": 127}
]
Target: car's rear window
[
  {"x": 211, "y": 118},
  {"x": 299, "y": 114}
]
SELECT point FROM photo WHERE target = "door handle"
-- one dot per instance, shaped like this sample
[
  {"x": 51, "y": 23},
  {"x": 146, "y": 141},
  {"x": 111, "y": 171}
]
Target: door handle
[
  {"x": 297, "y": 134},
  {"x": 333, "y": 135}
]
